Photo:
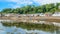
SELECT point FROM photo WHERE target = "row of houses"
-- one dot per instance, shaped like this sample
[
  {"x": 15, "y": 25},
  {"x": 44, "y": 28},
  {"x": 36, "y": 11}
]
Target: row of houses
[
  {"x": 22, "y": 14},
  {"x": 38, "y": 14}
]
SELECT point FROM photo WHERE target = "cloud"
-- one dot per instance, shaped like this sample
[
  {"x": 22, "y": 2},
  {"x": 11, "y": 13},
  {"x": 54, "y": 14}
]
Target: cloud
[
  {"x": 19, "y": 2},
  {"x": 14, "y": 5},
  {"x": 42, "y": 2},
  {"x": 29, "y": 2}
]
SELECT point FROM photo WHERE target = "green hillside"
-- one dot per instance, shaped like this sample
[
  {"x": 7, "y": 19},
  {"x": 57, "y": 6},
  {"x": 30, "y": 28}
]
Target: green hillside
[{"x": 31, "y": 9}]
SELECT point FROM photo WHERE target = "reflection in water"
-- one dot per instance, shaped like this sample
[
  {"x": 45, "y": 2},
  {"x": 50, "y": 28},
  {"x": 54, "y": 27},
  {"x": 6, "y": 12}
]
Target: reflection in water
[{"x": 28, "y": 28}]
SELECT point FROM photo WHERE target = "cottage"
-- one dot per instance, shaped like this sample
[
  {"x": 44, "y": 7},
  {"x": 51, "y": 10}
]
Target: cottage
[
  {"x": 41, "y": 14},
  {"x": 48, "y": 14},
  {"x": 7, "y": 14},
  {"x": 56, "y": 14},
  {"x": 36, "y": 14},
  {"x": 29, "y": 15}
]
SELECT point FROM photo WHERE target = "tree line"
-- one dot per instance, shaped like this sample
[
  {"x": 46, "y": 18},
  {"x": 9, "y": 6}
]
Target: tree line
[{"x": 32, "y": 9}]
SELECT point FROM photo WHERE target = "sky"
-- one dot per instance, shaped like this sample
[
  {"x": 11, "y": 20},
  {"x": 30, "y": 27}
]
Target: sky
[{"x": 20, "y": 3}]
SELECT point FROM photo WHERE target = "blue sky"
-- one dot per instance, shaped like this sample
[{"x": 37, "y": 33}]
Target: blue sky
[{"x": 20, "y": 3}]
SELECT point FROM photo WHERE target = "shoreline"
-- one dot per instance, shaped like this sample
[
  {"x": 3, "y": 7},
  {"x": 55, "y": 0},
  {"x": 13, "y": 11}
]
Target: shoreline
[{"x": 40, "y": 18}]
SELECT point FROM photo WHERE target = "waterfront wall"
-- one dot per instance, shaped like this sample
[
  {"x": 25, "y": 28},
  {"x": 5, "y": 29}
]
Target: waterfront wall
[{"x": 31, "y": 18}]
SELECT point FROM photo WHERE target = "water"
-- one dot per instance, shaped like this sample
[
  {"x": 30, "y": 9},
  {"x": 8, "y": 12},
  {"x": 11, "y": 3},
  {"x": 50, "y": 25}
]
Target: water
[{"x": 26, "y": 29}]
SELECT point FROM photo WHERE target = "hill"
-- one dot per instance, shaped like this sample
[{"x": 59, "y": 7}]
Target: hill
[{"x": 31, "y": 9}]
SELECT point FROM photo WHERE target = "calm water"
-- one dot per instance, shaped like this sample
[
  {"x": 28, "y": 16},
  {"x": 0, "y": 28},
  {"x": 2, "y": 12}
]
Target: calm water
[{"x": 22, "y": 29}]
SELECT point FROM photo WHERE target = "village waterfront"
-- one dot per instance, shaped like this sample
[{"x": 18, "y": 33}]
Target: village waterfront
[
  {"x": 29, "y": 17},
  {"x": 22, "y": 24}
]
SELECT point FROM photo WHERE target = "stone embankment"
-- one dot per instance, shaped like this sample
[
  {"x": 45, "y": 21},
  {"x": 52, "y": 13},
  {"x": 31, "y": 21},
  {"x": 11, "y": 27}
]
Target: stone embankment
[
  {"x": 32, "y": 19},
  {"x": 39, "y": 20}
]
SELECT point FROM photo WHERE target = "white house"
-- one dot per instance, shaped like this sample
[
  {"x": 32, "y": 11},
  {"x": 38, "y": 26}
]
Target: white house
[
  {"x": 56, "y": 14},
  {"x": 41, "y": 14},
  {"x": 7, "y": 15}
]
